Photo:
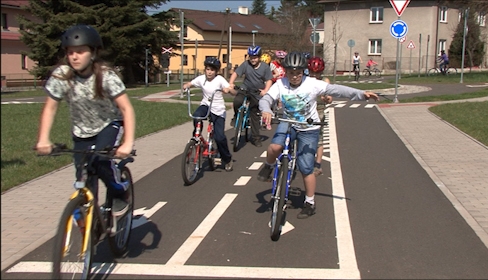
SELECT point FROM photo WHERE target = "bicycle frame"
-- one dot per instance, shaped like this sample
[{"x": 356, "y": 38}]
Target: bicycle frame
[{"x": 245, "y": 106}]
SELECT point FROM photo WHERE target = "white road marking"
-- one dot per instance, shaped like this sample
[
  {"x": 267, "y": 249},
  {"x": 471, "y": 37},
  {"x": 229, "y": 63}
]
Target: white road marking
[
  {"x": 145, "y": 214},
  {"x": 191, "y": 244},
  {"x": 339, "y": 105},
  {"x": 354, "y": 105},
  {"x": 345, "y": 243},
  {"x": 255, "y": 166},
  {"x": 264, "y": 154},
  {"x": 369, "y": 106},
  {"x": 242, "y": 181},
  {"x": 197, "y": 271}
]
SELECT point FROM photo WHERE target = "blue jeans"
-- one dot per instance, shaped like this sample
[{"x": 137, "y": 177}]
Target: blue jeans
[
  {"x": 307, "y": 145},
  {"x": 105, "y": 168},
  {"x": 219, "y": 135}
]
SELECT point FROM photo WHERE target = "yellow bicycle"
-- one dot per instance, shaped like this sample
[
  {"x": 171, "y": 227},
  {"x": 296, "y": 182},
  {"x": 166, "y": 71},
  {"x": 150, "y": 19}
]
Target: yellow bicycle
[{"x": 84, "y": 223}]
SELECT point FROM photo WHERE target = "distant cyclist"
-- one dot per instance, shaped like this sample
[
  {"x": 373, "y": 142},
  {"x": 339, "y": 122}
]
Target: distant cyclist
[
  {"x": 276, "y": 67},
  {"x": 370, "y": 63},
  {"x": 444, "y": 62},
  {"x": 356, "y": 60}
]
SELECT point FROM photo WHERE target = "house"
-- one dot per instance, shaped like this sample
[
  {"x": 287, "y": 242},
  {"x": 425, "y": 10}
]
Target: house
[
  {"x": 209, "y": 34},
  {"x": 366, "y": 25},
  {"x": 15, "y": 65}
]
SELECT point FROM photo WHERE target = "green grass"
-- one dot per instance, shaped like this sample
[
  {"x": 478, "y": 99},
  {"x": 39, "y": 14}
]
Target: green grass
[
  {"x": 447, "y": 97},
  {"x": 19, "y": 135},
  {"x": 468, "y": 78},
  {"x": 469, "y": 117}
]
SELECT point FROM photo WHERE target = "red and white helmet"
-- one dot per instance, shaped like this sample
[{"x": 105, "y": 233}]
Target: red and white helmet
[
  {"x": 280, "y": 54},
  {"x": 316, "y": 64}
]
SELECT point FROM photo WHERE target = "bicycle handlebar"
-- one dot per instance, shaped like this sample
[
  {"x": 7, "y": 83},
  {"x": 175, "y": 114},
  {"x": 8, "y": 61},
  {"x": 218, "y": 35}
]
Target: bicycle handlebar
[
  {"x": 60, "y": 148},
  {"x": 187, "y": 91},
  {"x": 308, "y": 122}
]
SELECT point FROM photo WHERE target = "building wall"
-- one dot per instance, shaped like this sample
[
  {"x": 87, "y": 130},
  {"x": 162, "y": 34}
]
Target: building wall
[
  {"x": 424, "y": 30},
  {"x": 12, "y": 47}
]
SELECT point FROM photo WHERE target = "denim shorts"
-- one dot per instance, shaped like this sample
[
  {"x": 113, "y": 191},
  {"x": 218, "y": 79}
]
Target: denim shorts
[{"x": 307, "y": 145}]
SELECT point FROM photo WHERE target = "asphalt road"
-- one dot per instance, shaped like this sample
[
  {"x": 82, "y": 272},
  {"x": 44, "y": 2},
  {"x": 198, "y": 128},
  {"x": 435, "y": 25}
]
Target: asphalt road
[{"x": 379, "y": 215}]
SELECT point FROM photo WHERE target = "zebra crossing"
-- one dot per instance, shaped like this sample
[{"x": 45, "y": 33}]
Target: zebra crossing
[{"x": 345, "y": 104}]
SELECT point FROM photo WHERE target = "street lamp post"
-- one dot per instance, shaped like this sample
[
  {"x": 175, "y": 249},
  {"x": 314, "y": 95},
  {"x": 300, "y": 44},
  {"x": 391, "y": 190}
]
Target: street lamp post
[{"x": 253, "y": 34}]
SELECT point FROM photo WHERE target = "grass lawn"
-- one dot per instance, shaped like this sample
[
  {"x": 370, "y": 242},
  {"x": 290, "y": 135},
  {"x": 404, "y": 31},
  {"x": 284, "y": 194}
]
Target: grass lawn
[{"x": 20, "y": 122}]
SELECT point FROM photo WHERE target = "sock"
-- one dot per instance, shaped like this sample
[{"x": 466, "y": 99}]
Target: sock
[
  {"x": 269, "y": 164},
  {"x": 310, "y": 199},
  {"x": 317, "y": 164}
]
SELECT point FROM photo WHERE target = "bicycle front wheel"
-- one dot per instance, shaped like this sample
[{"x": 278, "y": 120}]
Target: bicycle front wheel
[
  {"x": 433, "y": 72},
  {"x": 69, "y": 259},
  {"x": 377, "y": 72},
  {"x": 279, "y": 200},
  {"x": 238, "y": 127},
  {"x": 190, "y": 164},
  {"x": 118, "y": 239}
]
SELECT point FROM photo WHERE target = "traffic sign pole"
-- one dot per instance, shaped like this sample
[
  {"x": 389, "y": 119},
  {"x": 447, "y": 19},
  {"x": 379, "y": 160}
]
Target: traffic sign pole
[{"x": 395, "y": 99}]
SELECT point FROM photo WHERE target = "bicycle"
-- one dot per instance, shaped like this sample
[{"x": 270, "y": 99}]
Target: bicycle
[
  {"x": 375, "y": 71},
  {"x": 356, "y": 71},
  {"x": 242, "y": 121},
  {"x": 84, "y": 224},
  {"x": 447, "y": 70},
  {"x": 284, "y": 173},
  {"x": 199, "y": 147}
]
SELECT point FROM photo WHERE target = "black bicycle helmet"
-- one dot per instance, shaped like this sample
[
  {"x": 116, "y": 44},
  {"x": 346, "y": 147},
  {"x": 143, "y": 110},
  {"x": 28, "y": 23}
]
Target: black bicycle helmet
[
  {"x": 295, "y": 60},
  {"x": 80, "y": 35},
  {"x": 212, "y": 62}
]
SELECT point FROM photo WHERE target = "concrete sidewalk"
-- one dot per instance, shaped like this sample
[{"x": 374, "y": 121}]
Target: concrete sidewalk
[{"x": 457, "y": 163}]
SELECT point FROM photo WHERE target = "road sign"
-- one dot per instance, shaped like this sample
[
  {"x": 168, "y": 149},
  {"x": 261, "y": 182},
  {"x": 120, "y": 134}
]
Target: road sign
[
  {"x": 403, "y": 39},
  {"x": 166, "y": 50},
  {"x": 351, "y": 43},
  {"x": 399, "y": 6},
  {"x": 398, "y": 29},
  {"x": 411, "y": 45},
  {"x": 314, "y": 38}
]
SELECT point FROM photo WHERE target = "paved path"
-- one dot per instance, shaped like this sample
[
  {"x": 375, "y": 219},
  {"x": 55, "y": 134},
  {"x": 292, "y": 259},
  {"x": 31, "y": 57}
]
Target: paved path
[{"x": 457, "y": 163}]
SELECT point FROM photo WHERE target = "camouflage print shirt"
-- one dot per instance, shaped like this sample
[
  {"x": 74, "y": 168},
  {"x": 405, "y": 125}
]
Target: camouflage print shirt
[{"x": 89, "y": 115}]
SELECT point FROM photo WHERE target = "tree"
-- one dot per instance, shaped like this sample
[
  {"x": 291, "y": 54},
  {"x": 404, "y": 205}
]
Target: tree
[
  {"x": 125, "y": 27},
  {"x": 336, "y": 37},
  {"x": 474, "y": 45},
  {"x": 258, "y": 7},
  {"x": 272, "y": 13},
  {"x": 294, "y": 17}
]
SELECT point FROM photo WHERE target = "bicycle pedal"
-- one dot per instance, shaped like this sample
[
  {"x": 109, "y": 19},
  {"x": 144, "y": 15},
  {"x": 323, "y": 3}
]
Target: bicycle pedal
[{"x": 295, "y": 191}]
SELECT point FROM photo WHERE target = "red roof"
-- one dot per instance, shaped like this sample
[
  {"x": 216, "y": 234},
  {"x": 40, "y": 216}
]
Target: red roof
[
  {"x": 215, "y": 21},
  {"x": 10, "y": 35},
  {"x": 15, "y": 3}
]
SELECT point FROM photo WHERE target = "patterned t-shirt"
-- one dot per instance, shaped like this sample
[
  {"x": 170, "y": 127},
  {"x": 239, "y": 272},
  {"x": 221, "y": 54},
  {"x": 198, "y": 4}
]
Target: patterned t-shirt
[{"x": 89, "y": 115}]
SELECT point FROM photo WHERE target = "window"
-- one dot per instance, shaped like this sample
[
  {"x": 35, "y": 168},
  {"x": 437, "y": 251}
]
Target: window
[
  {"x": 185, "y": 60},
  {"x": 257, "y": 26},
  {"x": 4, "y": 22},
  {"x": 376, "y": 14},
  {"x": 23, "y": 61},
  {"x": 374, "y": 46},
  {"x": 209, "y": 23},
  {"x": 442, "y": 45},
  {"x": 240, "y": 25},
  {"x": 224, "y": 58},
  {"x": 482, "y": 19},
  {"x": 443, "y": 14}
]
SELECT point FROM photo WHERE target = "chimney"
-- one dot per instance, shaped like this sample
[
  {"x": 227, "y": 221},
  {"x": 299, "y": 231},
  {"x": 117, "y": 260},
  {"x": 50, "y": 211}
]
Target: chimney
[{"x": 243, "y": 10}]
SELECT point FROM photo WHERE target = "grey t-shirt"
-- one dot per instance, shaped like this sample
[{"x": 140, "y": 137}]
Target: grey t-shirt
[
  {"x": 89, "y": 115},
  {"x": 255, "y": 78}
]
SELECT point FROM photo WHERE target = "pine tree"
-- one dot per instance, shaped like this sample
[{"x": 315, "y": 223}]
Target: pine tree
[
  {"x": 125, "y": 27},
  {"x": 258, "y": 7},
  {"x": 474, "y": 46}
]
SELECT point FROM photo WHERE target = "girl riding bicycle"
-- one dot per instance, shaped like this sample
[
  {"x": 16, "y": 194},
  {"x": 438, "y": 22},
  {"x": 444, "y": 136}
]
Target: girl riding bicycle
[
  {"x": 298, "y": 94},
  {"x": 100, "y": 109},
  {"x": 209, "y": 82}
]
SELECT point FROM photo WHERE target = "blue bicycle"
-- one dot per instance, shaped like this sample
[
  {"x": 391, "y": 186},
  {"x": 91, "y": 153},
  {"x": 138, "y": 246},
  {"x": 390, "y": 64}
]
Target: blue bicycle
[
  {"x": 284, "y": 173},
  {"x": 242, "y": 123}
]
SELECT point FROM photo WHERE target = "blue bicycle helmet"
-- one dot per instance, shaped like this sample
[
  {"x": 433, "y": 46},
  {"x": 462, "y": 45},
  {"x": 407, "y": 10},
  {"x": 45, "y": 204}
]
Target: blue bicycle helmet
[
  {"x": 212, "y": 62},
  {"x": 254, "y": 51}
]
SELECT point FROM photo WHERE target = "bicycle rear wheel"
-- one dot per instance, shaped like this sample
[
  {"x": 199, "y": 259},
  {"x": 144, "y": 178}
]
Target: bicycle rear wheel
[
  {"x": 238, "y": 127},
  {"x": 69, "y": 262},
  {"x": 451, "y": 71},
  {"x": 377, "y": 72},
  {"x": 191, "y": 162},
  {"x": 279, "y": 200},
  {"x": 118, "y": 239},
  {"x": 212, "y": 154},
  {"x": 357, "y": 75}
]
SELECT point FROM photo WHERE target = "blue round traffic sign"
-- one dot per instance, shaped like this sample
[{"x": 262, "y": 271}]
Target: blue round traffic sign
[{"x": 398, "y": 29}]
